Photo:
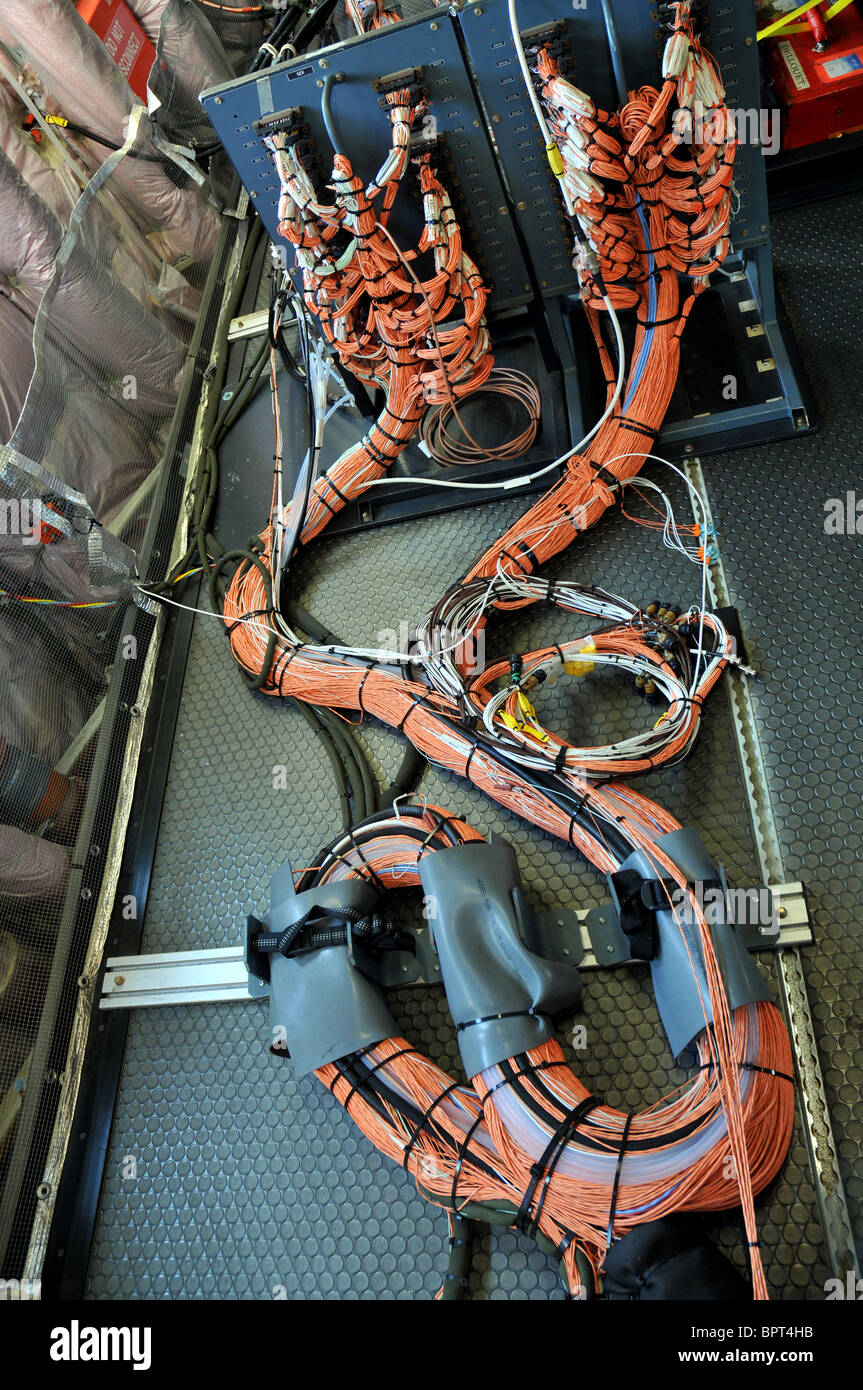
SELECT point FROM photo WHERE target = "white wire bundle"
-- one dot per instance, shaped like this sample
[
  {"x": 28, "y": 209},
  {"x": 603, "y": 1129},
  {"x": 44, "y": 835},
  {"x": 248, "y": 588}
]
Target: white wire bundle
[{"x": 447, "y": 636}]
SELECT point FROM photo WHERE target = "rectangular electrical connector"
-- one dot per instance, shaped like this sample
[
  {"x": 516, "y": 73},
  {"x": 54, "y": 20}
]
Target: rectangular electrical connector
[
  {"x": 543, "y": 33},
  {"x": 279, "y": 121},
  {"x": 392, "y": 81}
]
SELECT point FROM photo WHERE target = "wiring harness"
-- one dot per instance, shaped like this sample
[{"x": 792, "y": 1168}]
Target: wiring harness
[
  {"x": 527, "y": 1143},
  {"x": 424, "y": 343},
  {"x": 650, "y": 206}
]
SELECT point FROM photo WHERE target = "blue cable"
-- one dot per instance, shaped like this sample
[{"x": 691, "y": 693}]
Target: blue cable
[{"x": 652, "y": 307}]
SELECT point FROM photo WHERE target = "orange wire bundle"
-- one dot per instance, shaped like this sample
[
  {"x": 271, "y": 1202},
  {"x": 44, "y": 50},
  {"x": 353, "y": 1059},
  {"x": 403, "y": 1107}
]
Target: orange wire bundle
[
  {"x": 422, "y": 342},
  {"x": 651, "y": 205}
]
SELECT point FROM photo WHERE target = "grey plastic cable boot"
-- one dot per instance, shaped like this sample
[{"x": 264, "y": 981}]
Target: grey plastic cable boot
[
  {"x": 321, "y": 1003},
  {"x": 683, "y": 995},
  {"x": 501, "y": 995}
]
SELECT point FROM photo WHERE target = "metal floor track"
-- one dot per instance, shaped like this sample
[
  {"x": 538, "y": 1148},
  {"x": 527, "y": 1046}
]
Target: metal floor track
[{"x": 250, "y": 1184}]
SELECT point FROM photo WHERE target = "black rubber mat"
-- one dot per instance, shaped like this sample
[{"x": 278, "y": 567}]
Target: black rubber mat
[{"x": 250, "y": 1184}]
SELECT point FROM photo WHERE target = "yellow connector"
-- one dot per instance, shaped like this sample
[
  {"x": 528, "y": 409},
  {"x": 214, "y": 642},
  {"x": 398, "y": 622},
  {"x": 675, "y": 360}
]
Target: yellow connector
[
  {"x": 555, "y": 159},
  {"x": 539, "y": 734},
  {"x": 509, "y": 720},
  {"x": 581, "y": 668},
  {"x": 525, "y": 706}
]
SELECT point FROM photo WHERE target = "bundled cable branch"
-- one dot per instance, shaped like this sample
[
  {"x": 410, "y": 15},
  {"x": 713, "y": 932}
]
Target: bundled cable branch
[
  {"x": 649, "y": 192},
  {"x": 423, "y": 342}
]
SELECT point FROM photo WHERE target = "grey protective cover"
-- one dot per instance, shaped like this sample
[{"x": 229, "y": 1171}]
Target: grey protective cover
[
  {"x": 680, "y": 991},
  {"x": 321, "y": 999},
  {"x": 476, "y": 908}
]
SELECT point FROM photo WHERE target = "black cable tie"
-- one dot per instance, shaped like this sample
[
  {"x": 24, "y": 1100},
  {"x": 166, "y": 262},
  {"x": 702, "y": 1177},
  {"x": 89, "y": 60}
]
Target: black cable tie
[
  {"x": 659, "y": 323},
  {"x": 394, "y": 439},
  {"x": 442, "y": 821},
  {"x": 372, "y": 871},
  {"x": 548, "y": 1162},
  {"x": 509, "y": 555},
  {"x": 360, "y": 691},
  {"x": 355, "y": 1057},
  {"x": 494, "y": 1018},
  {"x": 361, "y": 1085},
  {"x": 615, "y": 485},
  {"x": 753, "y": 1066},
  {"x": 470, "y": 758},
  {"x": 417, "y": 700},
  {"x": 246, "y": 617},
  {"x": 616, "y": 1186},
  {"x": 462, "y": 1154},
  {"x": 639, "y": 429},
  {"x": 278, "y": 675},
  {"x": 425, "y": 1119},
  {"x": 341, "y": 496},
  {"x": 526, "y": 1071},
  {"x": 560, "y": 760}
]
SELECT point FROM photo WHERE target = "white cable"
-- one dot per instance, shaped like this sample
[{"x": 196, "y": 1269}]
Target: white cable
[{"x": 534, "y": 99}]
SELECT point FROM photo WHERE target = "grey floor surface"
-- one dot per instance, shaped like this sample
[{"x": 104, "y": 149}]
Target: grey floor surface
[{"x": 251, "y": 1184}]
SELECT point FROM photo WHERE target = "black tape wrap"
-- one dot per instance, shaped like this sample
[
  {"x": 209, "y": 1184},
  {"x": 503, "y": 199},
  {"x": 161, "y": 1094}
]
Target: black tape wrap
[
  {"x": 670, "y": 1259},
  {"x": 502, "y": 996}
]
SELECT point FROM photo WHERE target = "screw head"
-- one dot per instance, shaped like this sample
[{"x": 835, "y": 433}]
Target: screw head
[
  {"x": 119, "y": 979},
  {"x": 433, "y": 24},
  {"x": 217, "y": 101},
  {"x": 322, "y": 63}
]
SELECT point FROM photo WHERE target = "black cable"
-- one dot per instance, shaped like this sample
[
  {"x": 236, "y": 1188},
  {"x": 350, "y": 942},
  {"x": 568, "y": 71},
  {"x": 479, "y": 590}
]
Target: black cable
[
  {"x": 408, "y": 777},
  {"x": 455, "y": 1284},
  {"x": 279, "y": 35},
  {"x": 327, "y": 113}
]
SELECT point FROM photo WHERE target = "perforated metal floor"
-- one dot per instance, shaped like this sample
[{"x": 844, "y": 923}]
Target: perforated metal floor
[{"x": 250, "y": 1184}]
